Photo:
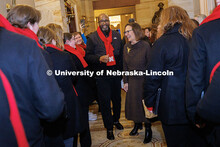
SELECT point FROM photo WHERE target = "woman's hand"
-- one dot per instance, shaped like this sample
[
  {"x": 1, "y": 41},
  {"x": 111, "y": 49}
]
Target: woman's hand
[
  {"x": 81, "y": 28},
  {"x": 125, "y": 87}
]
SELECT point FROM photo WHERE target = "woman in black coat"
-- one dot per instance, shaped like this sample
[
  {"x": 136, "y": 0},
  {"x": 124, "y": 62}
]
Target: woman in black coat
[
  {"x": 170, "y": 53},
  {"x": 83, "y": 89},
  {"x": 60, "y": 131}
]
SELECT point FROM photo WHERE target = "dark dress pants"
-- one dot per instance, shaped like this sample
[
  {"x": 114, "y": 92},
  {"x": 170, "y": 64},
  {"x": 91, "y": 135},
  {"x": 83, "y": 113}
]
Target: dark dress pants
[
  {"x": 109, "y": 89},
  {"x": 56, "y": 141},
  {"x": 85, "y": 136}
]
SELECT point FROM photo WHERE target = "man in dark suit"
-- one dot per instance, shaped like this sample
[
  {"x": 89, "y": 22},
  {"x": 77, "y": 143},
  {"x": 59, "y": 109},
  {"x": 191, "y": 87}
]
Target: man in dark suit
[
  {"x": 104, "y": 52},
  {"x": 37, "y": 95},
  {"x": 204, "y": 54}
]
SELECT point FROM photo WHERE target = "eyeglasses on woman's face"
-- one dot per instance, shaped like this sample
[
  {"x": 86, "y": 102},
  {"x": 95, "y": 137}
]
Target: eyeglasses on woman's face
[{"x": 128, "y": 31}]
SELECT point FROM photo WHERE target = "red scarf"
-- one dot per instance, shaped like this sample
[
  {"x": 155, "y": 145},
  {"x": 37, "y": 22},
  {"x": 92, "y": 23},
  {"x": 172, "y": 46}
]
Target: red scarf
[
  {"x": 15, "y": 117},
  {"x": 82, "y": 45},
  {"x": 108, "y": 46},
  {"x": 77, "y": 53},
  {"x": 215, "y": 15},
  {"x": 6, "y": 24},
  {"x": 53, "y": 46},
  {"x": 81, "y": 50},
  {"x": 30, "y": 34},
  {"x": 26, "y": 32},
  {"x": 213, "y": 71}
]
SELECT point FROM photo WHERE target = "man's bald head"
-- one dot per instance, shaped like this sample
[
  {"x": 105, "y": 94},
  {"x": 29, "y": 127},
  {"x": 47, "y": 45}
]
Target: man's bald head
[
  {"x": 103, "y": 16},
  {"x": 104, "y": 22}
]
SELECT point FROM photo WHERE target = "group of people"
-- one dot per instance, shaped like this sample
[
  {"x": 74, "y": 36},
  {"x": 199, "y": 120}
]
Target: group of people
[
  {"x": 53, "y": 110},
  {"x": 47, "y": 110}
]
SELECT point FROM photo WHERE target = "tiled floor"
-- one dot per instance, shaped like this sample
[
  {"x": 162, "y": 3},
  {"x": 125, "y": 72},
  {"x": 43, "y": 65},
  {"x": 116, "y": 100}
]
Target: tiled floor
[{"x": 122, "y": 138}]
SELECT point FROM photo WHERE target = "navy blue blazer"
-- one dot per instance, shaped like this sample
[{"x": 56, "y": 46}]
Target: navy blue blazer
[
  {"x": 38, "y": 96},
  {"x": 169, "y": 52},
  {"x": 204, "y": 55}
]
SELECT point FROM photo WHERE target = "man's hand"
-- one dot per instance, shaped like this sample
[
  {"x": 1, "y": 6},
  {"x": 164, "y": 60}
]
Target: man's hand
[
  {"x": 125, "y": 87},
  {"x": 104, "y": 58}
]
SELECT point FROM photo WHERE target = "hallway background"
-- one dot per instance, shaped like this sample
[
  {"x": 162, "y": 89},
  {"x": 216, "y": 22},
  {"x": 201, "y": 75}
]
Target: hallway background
[{"x": 68, "y": 13}]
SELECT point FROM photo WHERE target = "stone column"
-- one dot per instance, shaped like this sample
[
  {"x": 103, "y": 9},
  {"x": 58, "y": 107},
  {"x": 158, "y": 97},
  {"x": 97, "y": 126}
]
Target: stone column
[
  {"x": 87, "y": 10},
  {"x": 207, "y": 6}
]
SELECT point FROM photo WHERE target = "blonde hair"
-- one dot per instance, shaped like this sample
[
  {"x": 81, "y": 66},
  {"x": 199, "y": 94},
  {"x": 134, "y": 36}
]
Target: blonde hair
[
  {"x": 46, "y": 35},
  {"x": 176, "y": 15},
  {"x": 59, "y": 33}
]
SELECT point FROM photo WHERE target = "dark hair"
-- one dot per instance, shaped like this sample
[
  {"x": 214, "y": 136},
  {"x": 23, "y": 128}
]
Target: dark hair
[
  {"x": 67, "y": 36},
  {"x": 20, "y": 15},
  {"x": 137, "y": 30},
  {"x": 131, "y": 20},
  {"x": 147, "y": 28},
  {"x": 153, "y": 31}
]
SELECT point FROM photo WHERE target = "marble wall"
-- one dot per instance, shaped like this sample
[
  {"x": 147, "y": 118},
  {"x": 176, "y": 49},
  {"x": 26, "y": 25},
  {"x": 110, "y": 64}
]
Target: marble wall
[
  {"x": 52, "y": 11},
  {"x": 191, "y": 6},
  {"x": 26, "y": 2},
  {"x": 3, "y": 8},
  {"x": 88, "y": 12},
  {"x": 146, "y": 9}
]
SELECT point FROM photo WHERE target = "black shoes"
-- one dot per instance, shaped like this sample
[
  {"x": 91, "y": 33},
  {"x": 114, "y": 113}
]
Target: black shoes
[
  {"x": 110, "y": 135},
  {"x": 148, "y": 133},
  {"x": 137, "y": 126},
  {"x": 118, "y": 125}
]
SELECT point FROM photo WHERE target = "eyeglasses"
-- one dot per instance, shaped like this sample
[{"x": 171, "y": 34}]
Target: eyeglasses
[
  {"x": 127, "y": 31},
  {"x": 102, "y": 21}
]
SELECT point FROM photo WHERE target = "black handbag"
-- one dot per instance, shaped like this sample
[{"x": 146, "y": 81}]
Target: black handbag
[{"x": 155, "y": 110}]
